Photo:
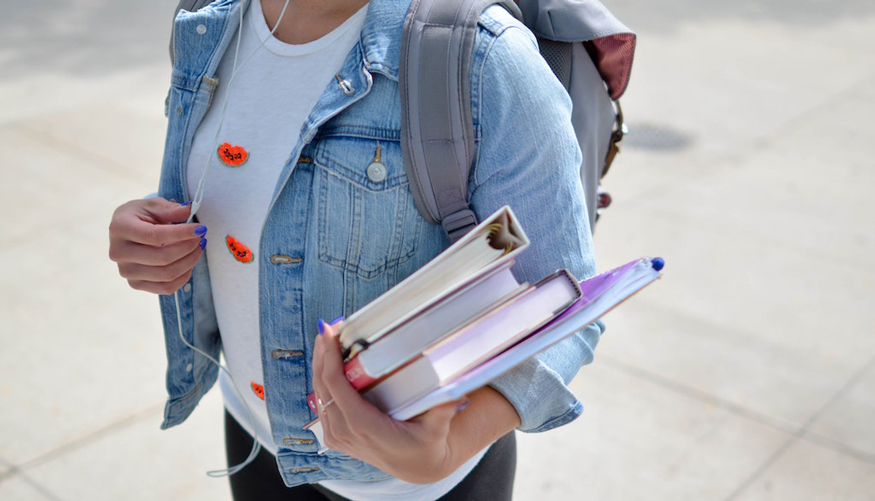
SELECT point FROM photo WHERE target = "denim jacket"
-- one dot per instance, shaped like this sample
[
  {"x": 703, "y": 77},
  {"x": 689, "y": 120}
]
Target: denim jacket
[{"x": 335, "y": 238}]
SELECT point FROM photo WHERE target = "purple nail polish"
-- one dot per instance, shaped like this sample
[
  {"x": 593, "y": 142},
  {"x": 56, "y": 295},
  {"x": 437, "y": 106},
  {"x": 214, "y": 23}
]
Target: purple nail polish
[
  {"x": 463, "y": 405},
  {"x": 203, "y": 243},
  {"x": 186, "y": 203},
  {"x": 321, "y": 325},
  {"x": 338, "y": 319},
  {"x": 200, "y": 231}
]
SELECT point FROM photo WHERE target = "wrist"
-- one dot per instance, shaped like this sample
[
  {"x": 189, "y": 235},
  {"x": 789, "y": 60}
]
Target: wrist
[{"x": 424, "y": 466}]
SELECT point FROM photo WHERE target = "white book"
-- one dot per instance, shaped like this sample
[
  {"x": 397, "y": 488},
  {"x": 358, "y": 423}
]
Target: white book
[
  {"x": 411, "y": 338},
  {"x": 480, "y": 252}
]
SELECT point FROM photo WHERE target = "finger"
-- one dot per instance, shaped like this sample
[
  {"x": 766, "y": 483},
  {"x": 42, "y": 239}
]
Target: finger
[
  {"x": 319, "y": 390},
  {"x": 156, "y": 235},
  {"x": 165, "y": 288},
  {"x": 335, "y": 430},
  {"x": 319, "y": 387},
  {"x": 333, "y": 376},
  {"x": 148, "y": 222},
  {"x": 162, "y": 211},
  {"x": 164, "y": 273},
  {"x": 147, "y": 255}
]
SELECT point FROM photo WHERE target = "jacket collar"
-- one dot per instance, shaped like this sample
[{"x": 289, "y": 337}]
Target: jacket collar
[{"x": 381, "y": 35}]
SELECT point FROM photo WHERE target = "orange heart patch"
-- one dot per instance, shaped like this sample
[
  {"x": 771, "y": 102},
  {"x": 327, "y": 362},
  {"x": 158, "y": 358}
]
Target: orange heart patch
[
  {"x": 241, "y": 252},
  {"x": 232, "y": 156}
]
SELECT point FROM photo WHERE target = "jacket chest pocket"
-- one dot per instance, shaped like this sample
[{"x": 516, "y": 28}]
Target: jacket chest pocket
[{"x": 367, "y": 220}]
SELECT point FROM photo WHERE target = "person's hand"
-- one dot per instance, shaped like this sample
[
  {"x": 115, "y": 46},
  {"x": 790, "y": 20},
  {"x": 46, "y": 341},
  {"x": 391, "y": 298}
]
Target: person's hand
[
  {"x": 153, "y": 254},
  {"x": 418, "y": 450}
]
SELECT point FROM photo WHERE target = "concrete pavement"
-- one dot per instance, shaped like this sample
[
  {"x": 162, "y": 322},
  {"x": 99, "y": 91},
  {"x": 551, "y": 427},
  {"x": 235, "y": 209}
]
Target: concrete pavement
[{"x": 747, "y": 373}]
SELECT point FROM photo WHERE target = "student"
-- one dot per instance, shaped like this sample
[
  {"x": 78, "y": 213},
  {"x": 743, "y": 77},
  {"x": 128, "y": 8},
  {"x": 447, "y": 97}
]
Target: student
[{"x": 307, "y": 215}]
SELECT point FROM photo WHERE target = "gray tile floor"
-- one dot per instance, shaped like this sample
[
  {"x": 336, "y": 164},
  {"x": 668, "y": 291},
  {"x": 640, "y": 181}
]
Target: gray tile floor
[{"x": 746, "y": 373}]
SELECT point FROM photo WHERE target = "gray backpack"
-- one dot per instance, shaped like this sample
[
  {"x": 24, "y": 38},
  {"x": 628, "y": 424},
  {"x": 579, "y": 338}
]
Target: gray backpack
[{"x": 588, "y": 49}]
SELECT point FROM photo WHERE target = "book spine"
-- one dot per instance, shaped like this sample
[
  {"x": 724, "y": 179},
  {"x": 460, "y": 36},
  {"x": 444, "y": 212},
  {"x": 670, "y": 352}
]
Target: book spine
[
  {"x": 311, "y": 401},
  {"x": 356, "y": 374}
]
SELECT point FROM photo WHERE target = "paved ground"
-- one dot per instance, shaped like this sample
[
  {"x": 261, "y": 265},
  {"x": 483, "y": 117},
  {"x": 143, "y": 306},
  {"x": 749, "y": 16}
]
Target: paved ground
[{"x": 747, "y": 373}]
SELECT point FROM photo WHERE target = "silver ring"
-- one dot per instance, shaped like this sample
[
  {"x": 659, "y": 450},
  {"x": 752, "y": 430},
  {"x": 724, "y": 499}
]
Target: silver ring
[{"x": 324, "y": 405}]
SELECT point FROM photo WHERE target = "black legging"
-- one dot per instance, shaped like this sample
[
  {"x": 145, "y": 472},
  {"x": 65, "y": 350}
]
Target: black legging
[{"x": 492, "y": 478}]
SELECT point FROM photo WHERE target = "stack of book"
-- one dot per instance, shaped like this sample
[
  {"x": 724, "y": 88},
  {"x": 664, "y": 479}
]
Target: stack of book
[{"x": 463, "y": 319}]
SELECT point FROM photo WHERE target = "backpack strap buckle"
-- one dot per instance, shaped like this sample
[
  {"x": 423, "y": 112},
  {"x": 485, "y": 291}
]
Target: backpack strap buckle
[
  {"x": 458, "y": 223},
  {"x": 616, "y": 136}
]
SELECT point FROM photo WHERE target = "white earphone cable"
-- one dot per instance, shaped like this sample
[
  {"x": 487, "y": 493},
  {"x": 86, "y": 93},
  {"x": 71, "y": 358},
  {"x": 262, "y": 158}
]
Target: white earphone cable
[
  {"x": 199, "y": 193},
  {"x": 195, "y": 205}
]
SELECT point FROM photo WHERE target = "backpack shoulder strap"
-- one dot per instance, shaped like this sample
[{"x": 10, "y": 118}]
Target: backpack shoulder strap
[
  {"x": 437, "y": 137},
  {"x": 189, "y": 5}
]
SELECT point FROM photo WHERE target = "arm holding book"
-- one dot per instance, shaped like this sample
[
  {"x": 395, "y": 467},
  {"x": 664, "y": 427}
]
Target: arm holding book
[{"x": 424, "y": 449}]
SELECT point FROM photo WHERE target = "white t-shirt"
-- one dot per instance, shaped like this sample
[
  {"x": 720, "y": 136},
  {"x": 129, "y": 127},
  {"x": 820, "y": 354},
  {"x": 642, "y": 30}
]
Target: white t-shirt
[{"x": 254, "y": 142}]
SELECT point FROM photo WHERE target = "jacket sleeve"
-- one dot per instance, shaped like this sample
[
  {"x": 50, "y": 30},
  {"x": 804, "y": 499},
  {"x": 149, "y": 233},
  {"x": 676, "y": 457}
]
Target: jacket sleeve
[{"x": 528, "y": 158}]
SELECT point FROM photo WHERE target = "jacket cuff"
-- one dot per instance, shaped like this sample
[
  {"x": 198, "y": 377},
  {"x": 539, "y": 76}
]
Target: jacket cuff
[{"x": 538, "y": 388}]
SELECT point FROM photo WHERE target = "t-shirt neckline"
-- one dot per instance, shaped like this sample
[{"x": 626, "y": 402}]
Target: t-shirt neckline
[{"x": 277, "y": 46}]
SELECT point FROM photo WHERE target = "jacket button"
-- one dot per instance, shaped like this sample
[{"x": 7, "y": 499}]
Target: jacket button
[
  {"x": 284, "y": 259},
  {"x": 377, "y": 172},
  {"x": 297, "y": 441},
  {"x": 201, "y": 29},
  {"x": 345, "y": 86},
  {"x": 304, "y": 470},
  {"x": 278, "y": 354}
]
